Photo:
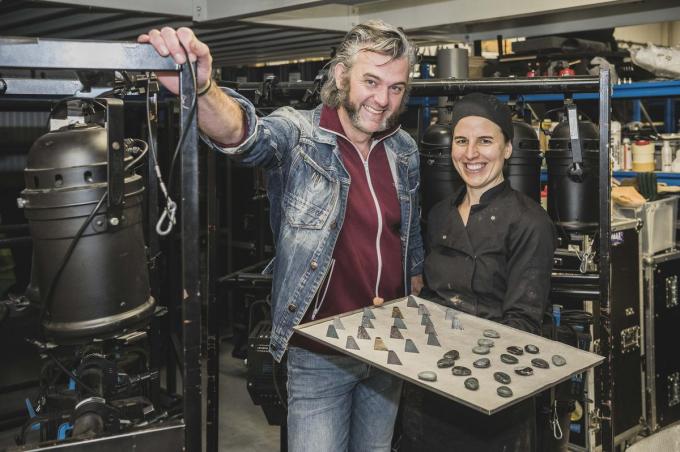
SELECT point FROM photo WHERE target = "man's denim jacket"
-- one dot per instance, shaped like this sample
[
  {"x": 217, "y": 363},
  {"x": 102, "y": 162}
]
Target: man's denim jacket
[{"x": 307, "y": 186}]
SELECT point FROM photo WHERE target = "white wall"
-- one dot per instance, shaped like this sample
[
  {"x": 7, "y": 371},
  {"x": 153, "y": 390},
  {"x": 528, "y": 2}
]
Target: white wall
[{"x": 663, "y": 33}]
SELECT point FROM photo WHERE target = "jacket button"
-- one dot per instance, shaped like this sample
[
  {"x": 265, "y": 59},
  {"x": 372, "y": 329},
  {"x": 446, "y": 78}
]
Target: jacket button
[
  {"x": 314, "y": 265},
  {"x": 292, "y": 307},
  {"x": 334, "y": 224}
]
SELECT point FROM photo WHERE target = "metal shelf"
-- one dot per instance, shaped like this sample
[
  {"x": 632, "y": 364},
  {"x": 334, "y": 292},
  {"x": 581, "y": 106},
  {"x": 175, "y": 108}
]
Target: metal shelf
[
  {"x": 636, "y": 90},
  {"x": 668, "y": 178}
]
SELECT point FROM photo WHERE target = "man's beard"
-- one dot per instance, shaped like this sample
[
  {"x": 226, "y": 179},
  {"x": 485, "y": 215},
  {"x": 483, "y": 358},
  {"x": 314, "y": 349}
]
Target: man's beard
[{"x": 353, "y": 113}]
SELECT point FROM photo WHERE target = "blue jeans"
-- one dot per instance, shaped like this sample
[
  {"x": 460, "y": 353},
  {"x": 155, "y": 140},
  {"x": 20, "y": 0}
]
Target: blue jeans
[{"x": 338, "y": 403}]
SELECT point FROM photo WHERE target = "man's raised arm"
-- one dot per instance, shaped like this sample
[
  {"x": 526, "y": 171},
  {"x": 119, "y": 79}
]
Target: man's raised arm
[{"x": 219, "y": 116}]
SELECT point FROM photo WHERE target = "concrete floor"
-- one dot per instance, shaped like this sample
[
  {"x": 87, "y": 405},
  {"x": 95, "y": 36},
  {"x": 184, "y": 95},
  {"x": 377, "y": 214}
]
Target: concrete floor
[{"x": 243, "y": 426}]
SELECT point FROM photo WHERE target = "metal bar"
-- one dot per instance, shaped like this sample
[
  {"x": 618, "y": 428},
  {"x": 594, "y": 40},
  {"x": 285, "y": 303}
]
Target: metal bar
[
  {"x": 230, "y": 222},
  {"x": 14, "y": 227},
  {"x": 46, "y": 87},
  {"x": 438, "y": 87},
  {"x": 115, "y": 165},
  {"x": 15, "y": 242},
  {"x": 191, "y": 263},
  {"x": 637, "y": 111},
  {"x": 166, "y": 437},
  {"x": 152, "y": 191},
  {"x": 247, "y": 269},
  {"x": 434, "y": 87},
  {"x": 656, "y": 88},
  {"x": 578, "y": 293},
  {"x": 176, "y": 349},
  {"x": 669, "y": 116},
  {"x": 152, "y": 238},
  {"x": 575, "y": 278},
  {"x": 577, "y": 155},
  {"x": 648, "y": 118},
  {"x": 213, "y": 337},
  {"x": 171, "y": 262},
  {"x": 607, "y": 407},
  {"x": 35, "y": 53}
]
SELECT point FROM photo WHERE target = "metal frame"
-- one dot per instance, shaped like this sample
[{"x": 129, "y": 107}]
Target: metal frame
[
  {"x": 33, "y": 53},
  {"x": 650, "y": 357},
  {"x": 577, "y": 85},
  {"x": 212, "y": 318},
  {"x": 162, "y": 437},
  {"x": 607, "y": 407}
]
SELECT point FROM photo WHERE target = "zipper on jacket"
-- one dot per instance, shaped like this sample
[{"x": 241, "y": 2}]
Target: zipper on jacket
[
  {"x": 408, "y": 235},
  {"x": 373, "y": 195},
  {"x": 380, "y": 224}
]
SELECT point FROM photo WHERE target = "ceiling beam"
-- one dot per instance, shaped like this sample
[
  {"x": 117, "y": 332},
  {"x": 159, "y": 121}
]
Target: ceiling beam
[
  {"x": 550, "y": 24},
  {"x": 329, "y": 17},
  {"x": 419, "y": 14},
  {"x": 272, "y": 48},
  {"x": 208, "y": 10},
  {"x": 413, "y": 15},
  {"x": 171, "y": 7}
]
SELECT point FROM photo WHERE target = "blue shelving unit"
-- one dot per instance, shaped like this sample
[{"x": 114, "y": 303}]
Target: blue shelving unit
[
  {"x": 664, "y": 90},
  {"x": 637, "y": 90},
  {"x": 668, "y": 178},
  {"x": 667, "y": 91}
]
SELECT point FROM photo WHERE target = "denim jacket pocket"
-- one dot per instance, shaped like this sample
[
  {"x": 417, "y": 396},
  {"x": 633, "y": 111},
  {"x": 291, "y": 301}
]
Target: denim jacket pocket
[{"x": 311, "y": 193}]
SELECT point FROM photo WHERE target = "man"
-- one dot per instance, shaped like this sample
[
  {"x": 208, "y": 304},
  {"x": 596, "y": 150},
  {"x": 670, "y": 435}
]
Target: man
[{"x": 342, "y": 184}]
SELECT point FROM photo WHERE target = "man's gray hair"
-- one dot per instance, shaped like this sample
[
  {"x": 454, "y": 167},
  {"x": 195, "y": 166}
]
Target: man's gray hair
[{"x": 371, "y": 36}]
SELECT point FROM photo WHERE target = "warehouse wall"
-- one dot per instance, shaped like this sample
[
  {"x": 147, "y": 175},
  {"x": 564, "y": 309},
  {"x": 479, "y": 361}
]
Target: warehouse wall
[{"x": 664, "y": 33}]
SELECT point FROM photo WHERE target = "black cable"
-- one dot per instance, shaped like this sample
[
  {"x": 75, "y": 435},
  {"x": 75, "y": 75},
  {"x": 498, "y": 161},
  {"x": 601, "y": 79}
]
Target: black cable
[
  {"x": 151, "y": 144},
  {"x": 190, "y": 117},
  {"x": 170, "y": 206},
  {"x": 67, "y": 255},
  {"x": 576, "y": 316},
  {"x": 145, "y": 149},
  {"x": 67, "y": 99},
  {"x": 70, "y": 374}
]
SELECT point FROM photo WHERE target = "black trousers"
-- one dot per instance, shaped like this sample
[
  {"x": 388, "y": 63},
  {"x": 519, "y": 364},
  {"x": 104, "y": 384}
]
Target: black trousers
[{"x": 432, "y": 423}]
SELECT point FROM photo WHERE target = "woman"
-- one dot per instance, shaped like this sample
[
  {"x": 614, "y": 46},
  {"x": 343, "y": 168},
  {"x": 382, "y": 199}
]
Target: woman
[{"x": 490, "y": 252}]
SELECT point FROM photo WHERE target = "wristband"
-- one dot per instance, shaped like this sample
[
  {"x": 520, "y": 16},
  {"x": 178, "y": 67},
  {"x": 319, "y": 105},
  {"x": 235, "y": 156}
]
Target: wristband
[{"x": 205, "y": 90}]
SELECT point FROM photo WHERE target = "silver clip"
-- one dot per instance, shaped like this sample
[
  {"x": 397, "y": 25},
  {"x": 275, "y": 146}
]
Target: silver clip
[
  {"x": 555, "y": 422},
  {"x": 169, "y": 213}
]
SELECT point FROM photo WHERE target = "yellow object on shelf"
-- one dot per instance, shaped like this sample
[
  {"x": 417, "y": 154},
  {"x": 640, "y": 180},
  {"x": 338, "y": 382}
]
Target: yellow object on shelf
[
  {"x": 627, "y": 196},
  {"x": 643, "y": 156}
]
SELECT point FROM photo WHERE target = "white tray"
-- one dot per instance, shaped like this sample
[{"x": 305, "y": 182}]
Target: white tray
[{"x": 485, "y": 399}]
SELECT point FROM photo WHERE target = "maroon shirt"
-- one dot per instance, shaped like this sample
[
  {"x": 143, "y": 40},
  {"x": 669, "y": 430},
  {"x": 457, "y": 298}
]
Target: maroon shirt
[{"x": 367, "y": 254}]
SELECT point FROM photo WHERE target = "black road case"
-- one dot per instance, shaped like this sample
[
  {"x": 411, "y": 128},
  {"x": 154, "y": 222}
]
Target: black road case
[
  {"x": 624, "y": 323},
  {"x": 662, "y": 338}
]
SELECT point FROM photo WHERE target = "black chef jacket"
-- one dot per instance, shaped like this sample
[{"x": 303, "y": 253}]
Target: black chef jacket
[{"x": 498, "y": 266}]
